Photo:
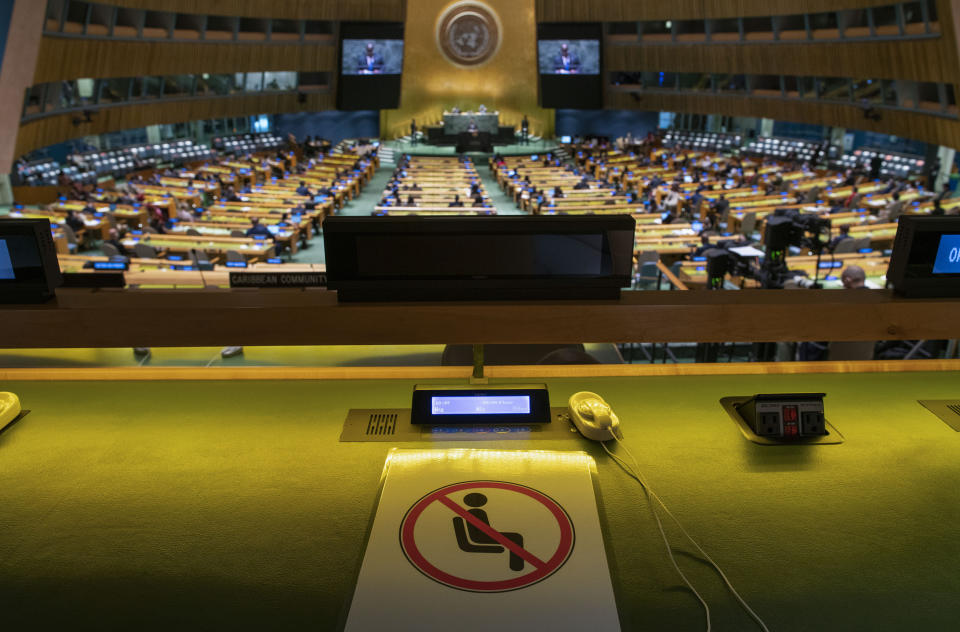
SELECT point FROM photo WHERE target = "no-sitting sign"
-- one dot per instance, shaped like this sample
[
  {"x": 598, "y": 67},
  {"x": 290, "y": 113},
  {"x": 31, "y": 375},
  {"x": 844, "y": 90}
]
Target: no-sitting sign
[{"x": 485, "y": 539}]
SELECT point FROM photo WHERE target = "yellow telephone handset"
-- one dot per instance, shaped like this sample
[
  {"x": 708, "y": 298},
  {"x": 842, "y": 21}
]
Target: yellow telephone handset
[{"x": 9, "y": 408}]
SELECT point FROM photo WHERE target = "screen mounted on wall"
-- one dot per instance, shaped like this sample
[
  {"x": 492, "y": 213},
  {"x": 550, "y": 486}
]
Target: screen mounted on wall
[
  {"x": 372, "y": 57},
  {"x": 371, "y": 65},
  {"x": 569, "y": 61},
  {"x": 569, "y": 57}
]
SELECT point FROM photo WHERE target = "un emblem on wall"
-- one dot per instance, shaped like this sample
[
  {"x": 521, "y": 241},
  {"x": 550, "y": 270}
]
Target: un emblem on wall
[{"x": 468, "y": 33}]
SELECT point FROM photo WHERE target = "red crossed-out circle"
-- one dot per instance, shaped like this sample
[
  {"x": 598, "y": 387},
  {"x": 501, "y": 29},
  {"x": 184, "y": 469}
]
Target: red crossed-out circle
[{"x": 542, "y": 569}]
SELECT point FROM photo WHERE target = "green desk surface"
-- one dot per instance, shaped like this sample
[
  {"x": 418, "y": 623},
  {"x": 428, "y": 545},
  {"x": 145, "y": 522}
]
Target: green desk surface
[{"x": 215, "y": 505}]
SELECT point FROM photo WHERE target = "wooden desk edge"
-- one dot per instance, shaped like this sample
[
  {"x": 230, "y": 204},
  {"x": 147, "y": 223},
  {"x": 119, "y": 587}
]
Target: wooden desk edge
[
  {"x": 133, "y": 373},
  {"x": 117, "y": 318}
]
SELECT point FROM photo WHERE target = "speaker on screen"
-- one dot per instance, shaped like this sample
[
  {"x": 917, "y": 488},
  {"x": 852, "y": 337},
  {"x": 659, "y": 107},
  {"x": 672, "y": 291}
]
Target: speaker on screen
[
  {"x": 569, "y": 61},
  {"x": 371, "y": 66}
]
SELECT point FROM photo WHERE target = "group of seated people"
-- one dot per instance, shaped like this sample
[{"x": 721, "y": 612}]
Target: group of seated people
[
  {"x": 434, "y": 182},
  {"x": 223, "y": 196},
  {"x": 708, "y": 195}
]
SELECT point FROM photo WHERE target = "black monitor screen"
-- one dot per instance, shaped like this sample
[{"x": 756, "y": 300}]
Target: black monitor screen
[
  {"x": 933, "y": 253},
  {"x": 469, "y": 256},
  {"x": 372, "y": 57},
  {"x": 20, "y": 260},
  {"x": 371, "y": 65},
  {"x": 569, "y": 59}
]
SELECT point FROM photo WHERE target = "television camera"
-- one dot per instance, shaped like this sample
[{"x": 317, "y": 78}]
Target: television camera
[{"x": 784, "y": 228}]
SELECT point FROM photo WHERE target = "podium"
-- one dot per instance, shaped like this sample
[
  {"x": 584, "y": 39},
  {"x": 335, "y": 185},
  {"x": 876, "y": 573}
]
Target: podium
[{"x": 455, "y": 123}]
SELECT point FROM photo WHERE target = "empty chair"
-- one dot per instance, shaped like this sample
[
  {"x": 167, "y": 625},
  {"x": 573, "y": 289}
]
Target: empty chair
[
  {"x": 847, "y": 245},
  {"x": 71, "y": 238},
  {"x": 144, "y": 251},
  {"x": 748, "y": 224},
  {"x": 237, "y": 233},
  {"x": 193, "y": 232},
  {"x": 199, "y": 256},
  {"x": 150, "y": 229},
  {"x": 648, "y": 256},
  {"x": 861, "y": 243},
  {"x": 233, "y": 255},
  {"x": 648, "y": 275},
  {"x": 109, "y": 249}
]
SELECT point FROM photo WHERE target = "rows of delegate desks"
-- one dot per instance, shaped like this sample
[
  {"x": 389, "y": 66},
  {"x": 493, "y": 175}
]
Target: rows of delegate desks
[
  {"x": 200, "y": 504},
  {"x": 221, "y": 227},
  {"x": 677, "y": 241},
  {"x": 438, "y": 180},
  {"x": 168, "y": 273}
]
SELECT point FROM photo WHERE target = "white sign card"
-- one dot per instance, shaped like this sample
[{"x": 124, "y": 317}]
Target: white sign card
[{"x": 485, "y": 540}]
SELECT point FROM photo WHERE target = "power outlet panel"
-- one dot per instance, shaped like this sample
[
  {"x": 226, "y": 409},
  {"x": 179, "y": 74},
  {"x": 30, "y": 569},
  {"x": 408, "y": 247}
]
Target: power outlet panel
[{"x": 785, "y": 416}]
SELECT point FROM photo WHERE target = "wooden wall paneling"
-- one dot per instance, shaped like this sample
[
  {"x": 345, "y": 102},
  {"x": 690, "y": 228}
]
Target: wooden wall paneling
[
  {"x": 632, "y": 10},
  {"x": 918, "y": 60},
  {"x": 529, "y": 372},
  {"x": 54, "y": 129},
  {"x": 924, "y": 127},
  {"x": 35, "y": 195},
  {"x": 949, "y": 14},
  {"x": 69, "y": 58},
  {"x": 391, "y": 10}
]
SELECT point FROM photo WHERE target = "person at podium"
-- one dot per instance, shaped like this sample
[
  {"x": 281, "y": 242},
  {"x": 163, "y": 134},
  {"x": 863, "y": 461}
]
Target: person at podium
[
  {"x": 370, "y": 62},
  {"x": 566, "y": 63},
  {"x": 472, "y": 127},
  {"x": 482, "y": 109}
]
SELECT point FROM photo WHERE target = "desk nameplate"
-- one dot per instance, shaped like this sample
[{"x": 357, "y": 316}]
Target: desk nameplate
[{"x": 278, "y": 279}]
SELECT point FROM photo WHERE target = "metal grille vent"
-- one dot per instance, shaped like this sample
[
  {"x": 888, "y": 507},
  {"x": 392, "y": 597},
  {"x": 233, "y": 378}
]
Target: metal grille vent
[
  {"x": 955, "y": 408},
  {"x": 381, "y": 424}
]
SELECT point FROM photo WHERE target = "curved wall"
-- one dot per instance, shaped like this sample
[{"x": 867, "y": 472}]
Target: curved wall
[
  {"x": 53, "y": 129},
  {"x": 508, "y": 81},
  {"x": 921, "y": 47},
  {"x": 629, "y": 10},
  {"x": 62, "y": 58},
  {"x": 931, "y": 129},
  {"x": 389, "y": 10},
  {"x": 70, "y": 50}
]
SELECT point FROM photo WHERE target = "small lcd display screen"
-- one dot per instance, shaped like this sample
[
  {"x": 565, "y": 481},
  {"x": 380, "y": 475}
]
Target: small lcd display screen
[
  {"x": 948, "y": 255},
  {"x": 500, "y": 406},
  {"x": 481, "y": 405}
]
